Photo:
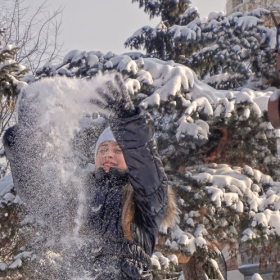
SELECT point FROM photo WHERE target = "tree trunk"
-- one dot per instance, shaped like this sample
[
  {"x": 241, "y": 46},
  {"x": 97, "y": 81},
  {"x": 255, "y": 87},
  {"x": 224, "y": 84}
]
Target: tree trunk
[{"x": 194, "y": 269}]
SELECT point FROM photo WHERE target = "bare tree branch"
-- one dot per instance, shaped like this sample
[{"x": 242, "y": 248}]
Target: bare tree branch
[{"x": 35, "y": 33}]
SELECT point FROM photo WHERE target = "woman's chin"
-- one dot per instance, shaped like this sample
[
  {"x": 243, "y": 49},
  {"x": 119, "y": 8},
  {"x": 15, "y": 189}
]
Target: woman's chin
[{"x": 107, "y": 168}]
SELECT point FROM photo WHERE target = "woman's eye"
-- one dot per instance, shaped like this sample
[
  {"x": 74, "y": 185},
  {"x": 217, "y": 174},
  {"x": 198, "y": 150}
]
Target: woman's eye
[
  {"x": 118, "y": 152},
  {"x": 103, "y": 151}
]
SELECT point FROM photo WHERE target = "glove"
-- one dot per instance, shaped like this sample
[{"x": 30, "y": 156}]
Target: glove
[
  {"x": 131, "y": 271},
  {"x": 9, "y": 137},
  {"x": 115, "y": 98},
  {"x": 136, "y": 264}
]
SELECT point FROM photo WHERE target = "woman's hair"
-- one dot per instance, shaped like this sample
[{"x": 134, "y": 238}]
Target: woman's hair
[{"x": 128, "y": 210}]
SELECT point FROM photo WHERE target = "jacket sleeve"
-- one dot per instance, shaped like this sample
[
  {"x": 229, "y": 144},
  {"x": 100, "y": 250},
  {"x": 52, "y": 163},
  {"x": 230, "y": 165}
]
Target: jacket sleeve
[
  {"x": 9, "y": 143},
  {"x": 135, "y": 137}
]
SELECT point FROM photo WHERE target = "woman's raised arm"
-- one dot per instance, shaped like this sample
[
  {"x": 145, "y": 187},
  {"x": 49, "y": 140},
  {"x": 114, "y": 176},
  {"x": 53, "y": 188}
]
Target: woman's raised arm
[{"x": 135, "y": 137}]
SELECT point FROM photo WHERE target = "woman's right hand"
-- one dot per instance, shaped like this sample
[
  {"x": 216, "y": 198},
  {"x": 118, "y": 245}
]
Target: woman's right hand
[
  {"x": 115, "y": 97},
  {"x": 137, "y": 264}
]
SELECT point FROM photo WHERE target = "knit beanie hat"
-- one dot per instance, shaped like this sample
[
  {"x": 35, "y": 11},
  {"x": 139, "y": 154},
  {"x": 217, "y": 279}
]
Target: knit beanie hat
[{"x": 106, "y": 135}]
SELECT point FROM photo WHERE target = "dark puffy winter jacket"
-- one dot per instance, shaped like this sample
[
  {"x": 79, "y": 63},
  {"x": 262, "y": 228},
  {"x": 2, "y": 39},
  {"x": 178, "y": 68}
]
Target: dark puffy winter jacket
[
  {"x": 146, "y": 175},
  {"x": 116, "y": 258}
]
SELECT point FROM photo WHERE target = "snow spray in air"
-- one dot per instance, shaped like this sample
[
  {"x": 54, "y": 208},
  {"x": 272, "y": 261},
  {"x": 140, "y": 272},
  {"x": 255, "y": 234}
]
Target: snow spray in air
[{"x": 55, "y": 137}]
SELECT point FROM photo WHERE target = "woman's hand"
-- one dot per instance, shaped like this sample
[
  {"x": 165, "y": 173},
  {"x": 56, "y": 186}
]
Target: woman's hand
[
  {"x": 115, "y": 97},
  {"x": 136, "y": 264}
]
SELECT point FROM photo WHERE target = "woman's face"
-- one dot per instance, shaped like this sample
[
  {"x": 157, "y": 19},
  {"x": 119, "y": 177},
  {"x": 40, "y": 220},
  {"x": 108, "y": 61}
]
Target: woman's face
[{"x": 109, "y": 155}]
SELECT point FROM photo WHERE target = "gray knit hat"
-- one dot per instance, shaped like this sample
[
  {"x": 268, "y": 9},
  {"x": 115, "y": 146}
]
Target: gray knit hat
[{"x": 106, "y": 135}]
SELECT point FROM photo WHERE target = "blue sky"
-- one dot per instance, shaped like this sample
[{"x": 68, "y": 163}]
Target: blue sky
[{"x": 105, "y": 24}]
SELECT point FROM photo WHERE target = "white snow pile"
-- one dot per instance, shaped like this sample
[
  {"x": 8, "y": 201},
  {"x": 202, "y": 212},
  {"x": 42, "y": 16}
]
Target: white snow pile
[
  {"x": 259, "y": 12},
  {"x": 257, "y": 276},
  {"x": 6, "y": 191},
  {"x": 165, "y": 263},
  {"x": 248, "y": 22},
  {"x": 189, "y": 12},
  {"x": 8, "y": 197},
  {"x": 182, "y": 32},
  {"x": 159, "y": 261}
]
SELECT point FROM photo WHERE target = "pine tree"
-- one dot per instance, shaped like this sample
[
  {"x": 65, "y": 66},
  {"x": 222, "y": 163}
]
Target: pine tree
[
  {"x": 10, "y": 85},
  {"x": 10, "y": 72},
  {"x": 169, "y": 10},
  {"x": 227, "y": 50},
  {"x": 211, "y": 142},
  {"x": 156, "y": 40}
]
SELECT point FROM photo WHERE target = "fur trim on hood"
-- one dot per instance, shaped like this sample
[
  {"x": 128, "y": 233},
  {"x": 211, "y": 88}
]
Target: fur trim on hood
[{"x": 172, "y": 213}]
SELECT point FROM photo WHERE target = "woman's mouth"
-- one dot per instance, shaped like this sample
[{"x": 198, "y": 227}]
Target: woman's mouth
[{"x": 109, "y": 164}]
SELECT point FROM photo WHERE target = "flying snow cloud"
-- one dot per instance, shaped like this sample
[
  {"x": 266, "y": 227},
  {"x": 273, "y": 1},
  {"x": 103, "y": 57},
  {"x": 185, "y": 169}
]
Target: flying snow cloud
[{"x": 55, "y": 137}]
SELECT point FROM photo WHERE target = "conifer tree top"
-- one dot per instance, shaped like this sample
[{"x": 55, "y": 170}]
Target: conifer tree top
[{"x": 169, "y": 10}]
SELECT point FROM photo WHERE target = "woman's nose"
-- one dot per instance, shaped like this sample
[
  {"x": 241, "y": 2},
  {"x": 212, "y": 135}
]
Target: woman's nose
[{"x": 109, "y": 153}]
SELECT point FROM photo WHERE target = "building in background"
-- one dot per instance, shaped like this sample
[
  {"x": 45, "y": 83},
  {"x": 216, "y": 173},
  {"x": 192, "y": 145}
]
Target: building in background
[{"x": 233, "y": 6}]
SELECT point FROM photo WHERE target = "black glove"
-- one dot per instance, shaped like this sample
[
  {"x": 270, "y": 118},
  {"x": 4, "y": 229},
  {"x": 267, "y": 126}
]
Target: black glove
[
  {"x": 136, "y": 264},
  {"x": 9, "y": 137},
  {"x": 115, "y": 97}
]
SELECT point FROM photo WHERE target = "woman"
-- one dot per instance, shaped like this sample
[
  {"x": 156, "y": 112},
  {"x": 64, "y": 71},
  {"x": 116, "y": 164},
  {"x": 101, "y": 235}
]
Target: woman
[
  {"x": 130, "y": 193},
  {"x": 128, "y": 198}
]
